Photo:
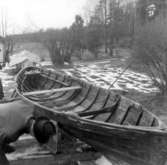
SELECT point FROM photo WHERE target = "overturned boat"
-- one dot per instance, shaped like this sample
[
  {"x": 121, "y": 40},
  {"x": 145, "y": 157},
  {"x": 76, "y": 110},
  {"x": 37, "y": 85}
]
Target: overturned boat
[{"x": 118, "y": 127}]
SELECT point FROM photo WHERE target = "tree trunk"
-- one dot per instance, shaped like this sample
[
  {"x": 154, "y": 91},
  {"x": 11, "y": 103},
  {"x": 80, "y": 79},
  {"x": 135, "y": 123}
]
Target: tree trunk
[{"x": 56, "y": 57}]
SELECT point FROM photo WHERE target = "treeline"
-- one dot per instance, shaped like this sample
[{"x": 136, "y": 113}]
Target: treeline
[
  {"x": 137, "y": 24},
  {"x": 108, "y": 24},
  {"x": 112, "y": 23}
]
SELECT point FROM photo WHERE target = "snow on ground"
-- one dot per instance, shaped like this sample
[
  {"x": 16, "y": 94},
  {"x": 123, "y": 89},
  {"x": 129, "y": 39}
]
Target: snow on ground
[{"x": 104, "y": 74}]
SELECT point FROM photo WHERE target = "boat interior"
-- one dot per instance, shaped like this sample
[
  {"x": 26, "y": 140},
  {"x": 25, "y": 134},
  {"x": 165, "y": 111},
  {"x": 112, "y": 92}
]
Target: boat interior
[{"x": 64, "y": 93}]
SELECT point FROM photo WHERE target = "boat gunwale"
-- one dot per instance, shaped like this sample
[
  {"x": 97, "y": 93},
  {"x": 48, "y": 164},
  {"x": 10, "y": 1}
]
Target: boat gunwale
[{"x": 79, "y": 120}]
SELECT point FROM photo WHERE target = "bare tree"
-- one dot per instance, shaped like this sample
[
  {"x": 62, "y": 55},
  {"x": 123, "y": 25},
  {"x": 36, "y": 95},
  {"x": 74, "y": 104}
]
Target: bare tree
[
  {"x": 77, "y": 31},
  {"x": 8, "y": 42}
]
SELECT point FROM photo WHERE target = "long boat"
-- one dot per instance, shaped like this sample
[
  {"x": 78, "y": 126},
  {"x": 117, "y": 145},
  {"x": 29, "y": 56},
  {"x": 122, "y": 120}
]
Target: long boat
[{"x": 114, "y": 125}]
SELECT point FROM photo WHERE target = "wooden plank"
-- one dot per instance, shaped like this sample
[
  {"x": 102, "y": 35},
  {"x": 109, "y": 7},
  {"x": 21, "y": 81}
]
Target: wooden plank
[
  {"x": 132, "y": 116},
  {"x": 102, "y": 117},
  {"x": 61, "y": 94},
  {"x": 46, "y": 76},
  {"x": 76, "y": 101},
  {"x": 105, "y": 117},
  {"x": 82, "y": 96},
  {"x": 100, "y": 101},
  {"x": 52, "y": 90},
  {"x": 70, "y": 95},
  {"x": 146, "y": 119},
  {"x": 91, "y": 98},
  {"x": 97, "y": 112},
  {"x": 89, "y": 103},
  {"x": 55, "y": 80},
  {"x": 120, "y": 112},
  {"x": 154, "y": 122}
]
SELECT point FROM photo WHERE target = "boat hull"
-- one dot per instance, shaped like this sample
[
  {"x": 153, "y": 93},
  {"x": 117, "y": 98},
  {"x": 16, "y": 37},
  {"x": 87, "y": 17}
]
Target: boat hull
[
  {"x": 116, "y": 126},
  {"x": 135, "y": 146}
]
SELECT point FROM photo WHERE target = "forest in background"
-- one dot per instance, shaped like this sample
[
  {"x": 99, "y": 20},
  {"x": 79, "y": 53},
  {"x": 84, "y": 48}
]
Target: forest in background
[{"x": 140, "y": 26}]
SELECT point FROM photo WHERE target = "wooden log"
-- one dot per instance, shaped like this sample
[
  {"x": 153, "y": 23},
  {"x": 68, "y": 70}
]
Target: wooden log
[
  {"x": 51, "y": 91},
  {"x": 102, "y": 110}
]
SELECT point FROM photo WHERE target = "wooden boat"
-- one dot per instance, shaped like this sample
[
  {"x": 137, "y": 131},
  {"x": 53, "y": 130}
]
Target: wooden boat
[{"x": 116, "y": 126}]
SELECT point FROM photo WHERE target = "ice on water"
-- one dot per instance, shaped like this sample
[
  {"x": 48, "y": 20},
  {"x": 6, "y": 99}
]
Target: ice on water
[{"x": 103, "y": 74}]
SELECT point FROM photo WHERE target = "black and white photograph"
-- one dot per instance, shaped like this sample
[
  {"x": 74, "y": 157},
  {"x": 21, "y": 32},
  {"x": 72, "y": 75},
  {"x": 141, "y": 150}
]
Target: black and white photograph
[{"x": 83, "y": 82}]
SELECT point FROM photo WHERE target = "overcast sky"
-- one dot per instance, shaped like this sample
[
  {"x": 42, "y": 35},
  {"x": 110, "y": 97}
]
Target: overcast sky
[{"x": 24, "y": 15}]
